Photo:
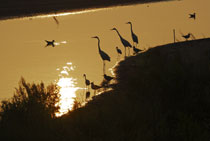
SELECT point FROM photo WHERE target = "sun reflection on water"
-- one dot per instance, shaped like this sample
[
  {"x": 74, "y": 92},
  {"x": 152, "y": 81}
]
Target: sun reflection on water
[{"x": 68, "y": 89}]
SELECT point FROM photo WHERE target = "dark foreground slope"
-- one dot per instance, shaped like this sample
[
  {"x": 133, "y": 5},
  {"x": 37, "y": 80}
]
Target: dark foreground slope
[
  {"x": 20, "y": 8},
  {"x": 162, "y": 94}
]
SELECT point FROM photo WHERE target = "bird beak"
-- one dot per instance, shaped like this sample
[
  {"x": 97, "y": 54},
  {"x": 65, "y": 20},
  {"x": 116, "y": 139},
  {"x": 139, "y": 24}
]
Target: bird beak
[
  {"x": 112, "y": 29},
  {"x": 93, "y": 37}
]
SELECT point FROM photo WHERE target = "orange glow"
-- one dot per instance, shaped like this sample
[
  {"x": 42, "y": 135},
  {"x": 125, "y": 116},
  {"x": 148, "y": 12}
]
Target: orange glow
[{"x": 67, "y": 90}]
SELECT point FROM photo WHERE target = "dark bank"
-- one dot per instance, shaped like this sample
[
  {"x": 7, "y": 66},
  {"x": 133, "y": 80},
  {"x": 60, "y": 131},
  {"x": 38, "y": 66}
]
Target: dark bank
[{"x": 160, "y": 94}]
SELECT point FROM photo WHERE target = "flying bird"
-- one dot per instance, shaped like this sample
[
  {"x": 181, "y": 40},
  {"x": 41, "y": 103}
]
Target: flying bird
[
  {"x": 192, "y": 16},
  {"x": 56, "y": 20},
  {"x": 123, "y": 41},
  {"x": 134, "y": 37},
  {"x": 50, "y": 43},
  {"x": 104, "y": 55}
]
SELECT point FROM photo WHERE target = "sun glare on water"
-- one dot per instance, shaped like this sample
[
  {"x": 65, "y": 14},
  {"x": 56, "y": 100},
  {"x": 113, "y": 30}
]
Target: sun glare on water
[{"x": 67, "y": 89}]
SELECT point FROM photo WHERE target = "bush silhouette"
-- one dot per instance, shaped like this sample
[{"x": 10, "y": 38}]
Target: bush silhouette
[{"x": 33, "y": 106}]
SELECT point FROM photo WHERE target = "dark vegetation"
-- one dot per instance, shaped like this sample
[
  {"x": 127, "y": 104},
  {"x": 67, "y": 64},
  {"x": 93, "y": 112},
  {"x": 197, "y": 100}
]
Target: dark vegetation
[
  {"x": 162, "y": 94},
  {"x": 20, "y": 8}
]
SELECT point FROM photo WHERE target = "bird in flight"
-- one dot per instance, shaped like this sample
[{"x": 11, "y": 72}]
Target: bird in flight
[
  {"x": 50, "y": 43},
  {"x": 192, "y": 16}
]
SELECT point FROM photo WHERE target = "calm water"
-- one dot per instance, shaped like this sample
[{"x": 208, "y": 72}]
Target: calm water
[{"x": 23, "y": 52}]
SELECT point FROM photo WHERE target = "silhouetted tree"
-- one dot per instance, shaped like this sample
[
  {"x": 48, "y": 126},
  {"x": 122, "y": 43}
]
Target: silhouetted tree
[{"x": 31, "y": 104}]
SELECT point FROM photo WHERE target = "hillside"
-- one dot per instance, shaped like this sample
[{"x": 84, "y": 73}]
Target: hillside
[{"x": 161, "y": 94}]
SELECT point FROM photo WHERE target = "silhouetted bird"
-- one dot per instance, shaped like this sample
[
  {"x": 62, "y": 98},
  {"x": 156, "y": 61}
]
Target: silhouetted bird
[
  {"x": 56, "y": 20},
  {"x": 193, "y": 16},
  {"x": 134, "y": 37},
  {"x": 87, "y": 94},
  {"x": 87, "y": 82},
  {"x": 50, "y": 43},
  {"x": 123, "y": 41},
  {"x": 108, "y": 78},
  {"x": 94, "y": 87},
  {"x": 104, "y": 55},
  {"x": 136, "y": 50},
  {"x": 118, "y": 50},
  {"x": 186, "y": 36}
]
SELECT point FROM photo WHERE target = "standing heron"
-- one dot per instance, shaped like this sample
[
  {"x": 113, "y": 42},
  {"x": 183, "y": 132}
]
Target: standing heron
[
  {"x": 104, "y": 55},
  {"x": 87, "y": 82},
  {"x": 124, "y": 42},
  {"x": 134, "y": 37}
]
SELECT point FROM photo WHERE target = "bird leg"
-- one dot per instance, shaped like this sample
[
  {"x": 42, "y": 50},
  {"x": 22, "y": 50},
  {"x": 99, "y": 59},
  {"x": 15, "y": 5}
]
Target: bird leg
[
  {"x": 117, "y": 56},
  {"x": 128, "y": 51},
  {"x": 104, "y": 67},
  {"x": 125, "y": 52}
]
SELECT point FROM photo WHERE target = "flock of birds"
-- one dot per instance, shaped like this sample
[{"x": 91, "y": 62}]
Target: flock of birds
[{"x": 105, "y": 57}]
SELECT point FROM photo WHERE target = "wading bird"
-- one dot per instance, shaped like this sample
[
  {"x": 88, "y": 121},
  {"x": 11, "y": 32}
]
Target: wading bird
[
  {"x": 50, "y": 43},
  {"x": 87, "y": 95},
  {"x": 134, "y": 37},
  {"x": 104, "y": 55},
  {"x": 118, "y": 52},
  {"x": 94, "y": 87},
  {"x": 87, "y": 82},
  {"x": 136, "y": 50},
  {"x": 124, "y": 42},
  {"x": 108, "y": 78},
  {"x": 186, "y": 36},
  {"x": 193, "y": 16}
]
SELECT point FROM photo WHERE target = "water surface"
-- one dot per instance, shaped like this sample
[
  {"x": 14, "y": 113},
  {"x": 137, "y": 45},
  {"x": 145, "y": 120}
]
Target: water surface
[{"x": 23, "y": 51}]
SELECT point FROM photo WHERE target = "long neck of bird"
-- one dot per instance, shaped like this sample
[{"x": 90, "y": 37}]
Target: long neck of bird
[
  {"x": 99, "y": 44},
  {"x": 118, "y": 33},
  {"x": 131, "y": 28},
  {"x": 85, "y": 77}
]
